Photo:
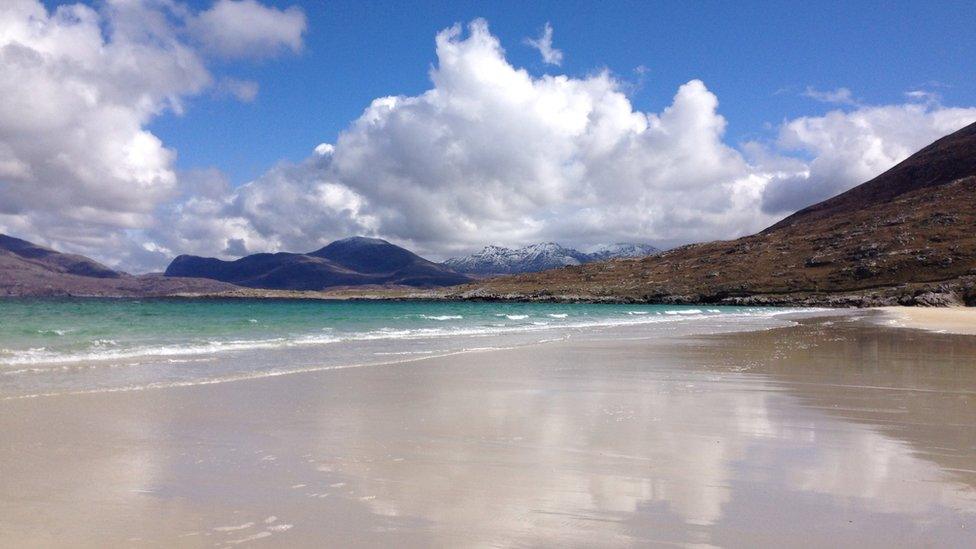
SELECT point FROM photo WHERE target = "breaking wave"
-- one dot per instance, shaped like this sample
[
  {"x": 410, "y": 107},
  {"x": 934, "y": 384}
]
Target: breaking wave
[{"x": 107, "y": 349}]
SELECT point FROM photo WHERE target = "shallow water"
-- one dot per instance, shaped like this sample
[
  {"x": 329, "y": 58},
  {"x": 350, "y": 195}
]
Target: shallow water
[{"x": 54, "y": 346}]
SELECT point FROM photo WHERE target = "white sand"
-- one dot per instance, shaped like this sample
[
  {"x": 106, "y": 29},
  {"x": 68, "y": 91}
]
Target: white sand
[{"x": 953, "y": 320}]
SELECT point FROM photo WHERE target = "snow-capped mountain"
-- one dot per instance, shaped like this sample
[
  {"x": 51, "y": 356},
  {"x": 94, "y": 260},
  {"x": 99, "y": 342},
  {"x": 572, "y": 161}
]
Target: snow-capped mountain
[
  {"x": 622, "y": 250},
  {"x": 501, "y": 260},
  {"x": 539, "y": 257}
]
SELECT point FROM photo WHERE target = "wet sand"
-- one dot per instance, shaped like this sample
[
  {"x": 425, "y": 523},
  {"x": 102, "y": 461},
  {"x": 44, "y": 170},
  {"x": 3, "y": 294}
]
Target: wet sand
[{"x": 833, "y": 433}]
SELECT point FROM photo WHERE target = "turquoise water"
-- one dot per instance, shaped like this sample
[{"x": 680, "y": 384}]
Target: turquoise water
[{"x": 51, "y": 346}]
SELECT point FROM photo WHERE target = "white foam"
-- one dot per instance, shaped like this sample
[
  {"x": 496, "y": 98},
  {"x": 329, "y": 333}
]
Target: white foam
[
  {"x": 242, "y": 377},
  {"x": 442, "y": 317},
  {"x": 244, "y": 526},
  {"x": 259, "y": 535},
  {"x": 97, "y": 353},
  {"x": 109, "y": 350},
  {"x": 558, "y": 315}
]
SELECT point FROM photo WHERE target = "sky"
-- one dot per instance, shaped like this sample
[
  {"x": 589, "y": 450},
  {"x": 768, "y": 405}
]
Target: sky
[{"x": 136, "y": 130}]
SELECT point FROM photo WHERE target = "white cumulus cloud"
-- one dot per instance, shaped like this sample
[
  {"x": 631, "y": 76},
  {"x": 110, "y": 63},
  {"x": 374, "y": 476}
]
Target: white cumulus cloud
[
  {"x": 492, "y": 154},
  {"x": 78, "y": 167},
  {"x": 852, "y": 147}
]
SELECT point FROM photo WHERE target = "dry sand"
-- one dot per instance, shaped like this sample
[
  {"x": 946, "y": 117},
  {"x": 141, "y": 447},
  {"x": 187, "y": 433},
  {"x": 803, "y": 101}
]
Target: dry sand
[
  {"x": 833, "y": 433},
  {"x": 952, "y": 320}
]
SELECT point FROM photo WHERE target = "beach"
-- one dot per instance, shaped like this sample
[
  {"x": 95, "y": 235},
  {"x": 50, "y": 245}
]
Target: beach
[
  {"x": 953, "y": 320},
  {"x": 284, "y": 274},
  {"x": 830, "y": 431}
]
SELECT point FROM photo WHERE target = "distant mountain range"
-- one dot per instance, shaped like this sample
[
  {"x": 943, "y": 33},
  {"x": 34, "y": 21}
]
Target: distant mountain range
[
  {"x": 495, "y": 260},
  {"x": 905, "y": 237},
  {"x": 352, "y": 261},
  {"x": 27, "y": 269}
]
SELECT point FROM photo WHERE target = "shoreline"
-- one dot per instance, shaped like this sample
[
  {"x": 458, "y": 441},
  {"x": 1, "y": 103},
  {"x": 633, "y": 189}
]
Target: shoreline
[
  {"x": 680, "y": 440},
  {"x": 502, "y": 338}
]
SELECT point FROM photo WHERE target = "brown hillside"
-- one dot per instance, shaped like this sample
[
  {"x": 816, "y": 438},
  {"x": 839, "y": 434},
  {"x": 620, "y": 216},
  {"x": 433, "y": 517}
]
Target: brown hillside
[{"x": 948, "y": 159}]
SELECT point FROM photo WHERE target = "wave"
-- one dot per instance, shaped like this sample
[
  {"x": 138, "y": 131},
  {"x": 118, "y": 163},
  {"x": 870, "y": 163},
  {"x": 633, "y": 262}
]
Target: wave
[
  {"x": 99, "y": 353},
  {"x": 558, "y": 315},
  {"x": 513, "y": 317},
  {"x": 243, "y": 376},
  {"x": 402, "y": 353},
  {"x": 107, "y": 350},
  {"x": 442, "y": 317}
]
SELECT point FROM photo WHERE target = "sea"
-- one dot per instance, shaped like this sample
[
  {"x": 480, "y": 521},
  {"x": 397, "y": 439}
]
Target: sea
[{"x": 59, "y": 346}]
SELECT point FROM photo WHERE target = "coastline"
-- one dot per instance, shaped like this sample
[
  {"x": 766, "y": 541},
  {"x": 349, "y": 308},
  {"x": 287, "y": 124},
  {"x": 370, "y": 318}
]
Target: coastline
[
  {"x": 954, "y": 292},
  {"x": 950, "y": 292},
  {"x": 616, "y": 442}
]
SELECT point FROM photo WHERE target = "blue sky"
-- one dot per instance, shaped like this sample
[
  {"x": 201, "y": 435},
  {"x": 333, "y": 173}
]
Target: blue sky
[
  {"x": 758, "y": 58},
  {"x": 136, "y": 130}
]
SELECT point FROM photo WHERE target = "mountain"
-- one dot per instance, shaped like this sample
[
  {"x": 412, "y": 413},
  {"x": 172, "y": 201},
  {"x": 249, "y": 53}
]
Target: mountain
[
  {"x": 352, "y": 261},
  {"x": 27, "y": 269},
  {"x": 45, "y": 258},
  {"x": 905, "y": 237},
  {"x": 622, "y": 251},
  {"x": 494, "y": 260}
]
